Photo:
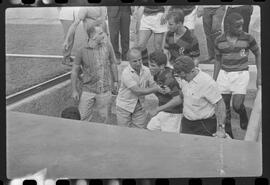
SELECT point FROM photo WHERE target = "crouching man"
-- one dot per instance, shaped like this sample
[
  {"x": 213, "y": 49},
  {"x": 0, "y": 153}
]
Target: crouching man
[{"x": 167, "y": 116}]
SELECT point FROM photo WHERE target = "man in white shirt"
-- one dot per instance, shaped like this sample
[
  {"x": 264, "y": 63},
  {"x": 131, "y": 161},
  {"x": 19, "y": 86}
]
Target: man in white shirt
[
  {"x": 136, "y": 82},
  {"x": 203, "y": 108}
]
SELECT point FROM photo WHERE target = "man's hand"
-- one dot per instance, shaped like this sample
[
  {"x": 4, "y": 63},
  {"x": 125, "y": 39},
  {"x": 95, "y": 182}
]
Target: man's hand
[
  {"x": 164, "y": 89},
  {"x": 65, "y": 45},
  {"x": 258, "y": 82},
  {"x": 75, "y": 95},
  {"x": 154, "y": 112},
  {"x": 163, "y": 19}
]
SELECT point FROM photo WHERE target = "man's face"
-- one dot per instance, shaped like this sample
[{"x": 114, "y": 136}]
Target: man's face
[
  {"x": 185, "y": 76},
  {"x": 236, "y": 28},
  {"x": 172, "y": 26},
  {"x": 154, "y": 68},
  {"x": 135, "y": 61},
  {"x": 98, "y": 35}
]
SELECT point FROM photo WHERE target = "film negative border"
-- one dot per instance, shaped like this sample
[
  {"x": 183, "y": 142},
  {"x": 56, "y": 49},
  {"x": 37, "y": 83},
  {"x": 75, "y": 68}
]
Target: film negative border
[{"x": 238, "y": 181}]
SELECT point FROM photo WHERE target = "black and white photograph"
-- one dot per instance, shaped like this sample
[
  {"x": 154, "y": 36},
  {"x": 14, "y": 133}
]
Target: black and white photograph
[{"x": 140, "y": 92}]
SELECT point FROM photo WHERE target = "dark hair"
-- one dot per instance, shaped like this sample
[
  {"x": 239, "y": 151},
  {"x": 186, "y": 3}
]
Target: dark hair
[
  {"x": 232, "y": 18},
  {"x": 71, "y": 113},
  {"x": 177, "y": 15},
  {"x": 184, "y": 63},
  {"x": 158, "y": 57}
]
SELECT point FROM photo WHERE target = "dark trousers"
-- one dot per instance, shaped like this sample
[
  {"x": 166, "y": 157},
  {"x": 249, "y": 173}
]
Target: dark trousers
[
  {"x": 212, "y": 19},
  {"x": 245, "y": 11},
  {"x": 205, "y": 127},
  {"x": 120, "y": 25}
]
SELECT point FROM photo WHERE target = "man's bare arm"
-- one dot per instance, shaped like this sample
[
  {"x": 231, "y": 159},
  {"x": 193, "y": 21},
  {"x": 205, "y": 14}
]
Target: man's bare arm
[
  {"x": 144, "y": 91},
  {"x": 74, "y": 76},
  {"x": 258, "y": 65},
  {"x": 217, "y": 66}
]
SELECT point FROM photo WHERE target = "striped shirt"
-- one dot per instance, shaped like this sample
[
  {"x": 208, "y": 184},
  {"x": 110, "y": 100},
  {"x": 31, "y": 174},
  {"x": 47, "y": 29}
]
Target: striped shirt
[
  {"x": 235, "y": 57},
  {"x": 153, "y": 9},
  {"x": 185, "y": 45},
  {"x": 96, "y": 66}
]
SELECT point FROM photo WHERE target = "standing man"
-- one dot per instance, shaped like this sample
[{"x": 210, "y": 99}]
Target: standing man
[
  {"x": 231, "y": 68},
  {"x": 98, "y": 64},
  {"x": 152, "y": 21},
  {"x": 136, "y": 82},
  {"x": 119, "y": 23},
  {"x": 167, "y": 116},
  {"x": 244, "y": 10},
  {"x": 67, "y": 16},
  {"x": 179, "y": 39},
  {"x": 212, "y": 16},
  {"x": 204, "y": 108},
  {"x": 90, "y": 16}
]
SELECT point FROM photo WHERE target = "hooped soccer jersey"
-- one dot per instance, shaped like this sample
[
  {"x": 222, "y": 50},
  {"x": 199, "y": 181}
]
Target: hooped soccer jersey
[{"x": 185, "y": 45}]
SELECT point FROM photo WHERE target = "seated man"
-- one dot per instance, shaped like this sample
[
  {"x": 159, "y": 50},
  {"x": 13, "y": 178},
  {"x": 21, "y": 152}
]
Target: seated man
[
  {"x": 167, "y": 116},
  {"x": 203, "y": 107},
  {"x": 98, "y": 64},
  {"x": 136, "y": 82},
  {"x": 179, "y": 40}
]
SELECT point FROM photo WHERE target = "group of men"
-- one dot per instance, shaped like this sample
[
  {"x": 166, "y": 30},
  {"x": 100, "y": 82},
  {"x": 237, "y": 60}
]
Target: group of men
[{"x": 190, "y": 101}]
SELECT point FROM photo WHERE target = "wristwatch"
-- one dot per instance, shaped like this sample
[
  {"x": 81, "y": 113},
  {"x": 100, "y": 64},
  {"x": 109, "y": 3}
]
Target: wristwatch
[{"x": 221, "y": 126}]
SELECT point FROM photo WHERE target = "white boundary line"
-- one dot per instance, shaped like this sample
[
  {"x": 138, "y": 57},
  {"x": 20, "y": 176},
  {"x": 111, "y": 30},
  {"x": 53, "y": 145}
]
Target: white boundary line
[
  {"x": 202, "y": 66},
  {"x": 32, "y": 87},
  {"x": 35, "y": 56}
]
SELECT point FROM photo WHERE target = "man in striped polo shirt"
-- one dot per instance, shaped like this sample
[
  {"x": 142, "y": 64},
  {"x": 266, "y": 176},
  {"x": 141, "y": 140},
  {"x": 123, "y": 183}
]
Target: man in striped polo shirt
[
  {"x": 231, "y": 67},
  {"x": 179, "y": 40}
]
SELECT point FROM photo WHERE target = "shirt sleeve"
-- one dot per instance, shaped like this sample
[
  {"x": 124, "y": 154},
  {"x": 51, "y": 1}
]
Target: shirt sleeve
[
  {"x": 127, "y": 79},
  {"x": 211, "y": 93},
  {"x": 253, "y": 46}
]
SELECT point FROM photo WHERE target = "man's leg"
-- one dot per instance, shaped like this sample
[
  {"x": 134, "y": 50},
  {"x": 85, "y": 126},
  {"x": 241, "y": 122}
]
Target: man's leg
[
  {"x": 114, "y": 29},
  {"x": 67, "y": 53},
  {"x": 239, "y": 107},
  {"x": 124, "y": 32},
  {"x": 207, "y": 26},
  {"x": 217, "y": 23},
  {"x": 228, "y": 126},
  {"x": 139, "y": 117},
  {"x": 246, "y": 12},
  {"x": 123, "y": 117},
  {"x": 86, "y": 105},
  {"x": 103, "y": 102},
  {"x": 144, "y": 36},
  {"x": 158, "y": 41}
]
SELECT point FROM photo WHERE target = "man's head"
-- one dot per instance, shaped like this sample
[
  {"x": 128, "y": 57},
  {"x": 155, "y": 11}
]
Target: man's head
[
  {"x": 184, "y": 66},
  {"x": 96, "y": 34},
  {"x": 71, "y": 113},
  {"x": 234, "y": 24},
  {"x": 135, "y": 58},
  {"x": 175, "y": 20},
  {"x": 157, "y": 62}
]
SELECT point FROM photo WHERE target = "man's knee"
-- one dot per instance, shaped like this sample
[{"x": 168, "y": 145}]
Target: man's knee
[{"x": 237, "y": 106}]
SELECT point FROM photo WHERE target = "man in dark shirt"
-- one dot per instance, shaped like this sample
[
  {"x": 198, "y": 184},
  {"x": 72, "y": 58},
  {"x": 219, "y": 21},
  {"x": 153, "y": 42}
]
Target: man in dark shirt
[
  {"x": 167, "y": 116},
  {"x": 179, "y": 40},
  {"x": 231, "y": 68}
]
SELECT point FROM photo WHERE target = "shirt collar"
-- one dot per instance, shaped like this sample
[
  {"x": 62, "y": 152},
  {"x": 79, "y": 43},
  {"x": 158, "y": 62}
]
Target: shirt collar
[{"x": 133, "y": 71}]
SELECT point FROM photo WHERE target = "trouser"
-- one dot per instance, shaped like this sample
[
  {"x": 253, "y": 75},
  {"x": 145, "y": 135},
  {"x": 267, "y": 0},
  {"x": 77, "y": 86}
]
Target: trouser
[
  {"x": 120, "y": 24},
  {"x": 212, "y": 20},
  {"x": 205, "y": 127},
  {"x": 90, "y": 101},
  {"x": 135, "y": 119},
  {"x": 245, "y": 11}
]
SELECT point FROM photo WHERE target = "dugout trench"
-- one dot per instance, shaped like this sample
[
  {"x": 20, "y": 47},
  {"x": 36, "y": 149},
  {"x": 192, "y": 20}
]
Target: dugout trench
[{"x": 35, "y": 142}]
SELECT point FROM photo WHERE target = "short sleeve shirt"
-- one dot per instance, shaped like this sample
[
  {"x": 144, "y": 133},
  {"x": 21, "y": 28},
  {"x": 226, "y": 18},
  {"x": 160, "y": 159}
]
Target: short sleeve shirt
[
  {"x": 166, "y": 78},
  {"x": 235, "y": 57},
  {"x": 96, "y": 67},
  {"x": 185, "y": 45},
  {"x": 126, "y": 99},
  {"x": 200, "y": 96}
]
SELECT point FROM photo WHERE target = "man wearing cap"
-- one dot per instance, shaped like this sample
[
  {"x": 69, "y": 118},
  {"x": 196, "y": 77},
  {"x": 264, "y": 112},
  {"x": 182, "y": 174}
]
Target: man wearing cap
[
  {"x": 203, "y": 107},
  {"x": 136, "y": 82},
  {"x": 167, "y": 116}
]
